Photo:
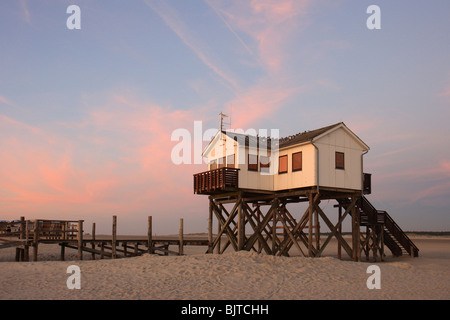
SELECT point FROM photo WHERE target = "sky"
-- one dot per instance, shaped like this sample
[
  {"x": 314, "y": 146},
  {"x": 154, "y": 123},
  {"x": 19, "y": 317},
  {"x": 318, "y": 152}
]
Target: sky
[{"x": 86, "y": 115}]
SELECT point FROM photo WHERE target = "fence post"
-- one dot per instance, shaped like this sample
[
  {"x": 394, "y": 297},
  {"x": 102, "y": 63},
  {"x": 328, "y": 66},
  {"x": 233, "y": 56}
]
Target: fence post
[
  {"x": 149, "y": 236},
  {"x": 180, "y": 249},
  {"x": 35, "y": 240},
  {"x": 80, "y": 239},
  {"x": 93, "y": 240},
  {"x": 114, "y": 237}
]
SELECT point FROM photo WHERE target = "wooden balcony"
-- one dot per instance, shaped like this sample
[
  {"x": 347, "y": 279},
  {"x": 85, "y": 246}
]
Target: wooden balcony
[{"x": 218, "y": 180}]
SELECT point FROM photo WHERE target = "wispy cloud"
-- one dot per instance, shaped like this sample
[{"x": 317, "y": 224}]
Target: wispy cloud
[
  {"x": 25, "y": 11},
  {"x": 203, "y": 52},
  {"x": 228, "y": 25},
  {"x": 3, "y": 100},
  {"x": 270, "y": 24}
]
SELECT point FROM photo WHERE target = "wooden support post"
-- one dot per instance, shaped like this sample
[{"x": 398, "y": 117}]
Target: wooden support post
[
  {"x": 27, "y": 247},
  {"x": 210, "y": 227},
  {"x": 149, "y": 236},
  {"x": 274, "y": 224},
  {"x": 36, "y": 240},
  {"x": 181, "y": 240},
  {"x": 317, "y": 229},
  {"x": 339, "y": 248},
  {"x": 355, "y": 232},
  {"x": 310, "y": 217},
  {"x": 63, "y": 251},
  {"x": 93, "y": 240},
  {"x": 64, "y": 227},
  {"x": 102, "y": 250},
  {"x": 370, "y": 235},
  {"x": 125, "y": 251},
  {"x": 22, "y": 228},
  {"x": 219, "y": 238},
  {"x": 382, "y": 243},
  {"x": 114, "y": 237},
  {"x": 80, "y": 239},
  {"x": 241, "y": 225}
]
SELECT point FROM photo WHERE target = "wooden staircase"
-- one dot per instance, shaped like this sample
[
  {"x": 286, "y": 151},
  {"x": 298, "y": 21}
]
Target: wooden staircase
[{"x": 394, "y": 237}]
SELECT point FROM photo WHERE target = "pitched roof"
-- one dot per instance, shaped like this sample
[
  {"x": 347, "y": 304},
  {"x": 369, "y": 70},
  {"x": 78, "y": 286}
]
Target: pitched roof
[
  {"x": 305, "y": 136},
  {"x": 283, "y": 142}
]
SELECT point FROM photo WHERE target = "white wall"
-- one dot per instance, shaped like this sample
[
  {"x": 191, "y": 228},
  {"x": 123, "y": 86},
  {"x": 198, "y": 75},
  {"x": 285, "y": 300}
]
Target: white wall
[
  {"x": 298, "y": 179},
  {"x": 348, "y": 178}
]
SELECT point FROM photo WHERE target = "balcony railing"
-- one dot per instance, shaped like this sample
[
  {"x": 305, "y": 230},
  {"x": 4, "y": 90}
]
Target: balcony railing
[{"x": 217, "y": 180}]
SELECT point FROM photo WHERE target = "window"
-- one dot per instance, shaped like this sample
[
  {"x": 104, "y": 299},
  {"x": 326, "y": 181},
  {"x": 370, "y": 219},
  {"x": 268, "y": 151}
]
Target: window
[
  {"x": 264, "y": 164},
  {"x": 230, "y": 161},
  {"x": 340, "y": 160},
  {"x": 252, "y": 162},
  {"x": 297, "y": 161},
  {"x": 282, "y": 164}
]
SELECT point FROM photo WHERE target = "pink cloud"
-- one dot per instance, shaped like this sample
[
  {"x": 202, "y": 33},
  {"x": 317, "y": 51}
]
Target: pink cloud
[
  {"x": 5, "y": 101},
  {"x": 117, "y": 160},
  {"x": 259, "y": 102},
  {"x": 269, "y": 24}
]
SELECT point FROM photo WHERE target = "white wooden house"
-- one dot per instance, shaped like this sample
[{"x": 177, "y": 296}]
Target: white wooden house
[{"x": 330, "y": 157}]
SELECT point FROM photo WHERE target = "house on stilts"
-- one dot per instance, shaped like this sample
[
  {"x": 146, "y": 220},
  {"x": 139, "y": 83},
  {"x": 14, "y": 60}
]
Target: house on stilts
[{"x": 251, "y": 181}]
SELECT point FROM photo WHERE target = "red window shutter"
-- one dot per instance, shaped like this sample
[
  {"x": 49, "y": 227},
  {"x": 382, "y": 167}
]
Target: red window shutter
[
  {"x": 297, "y": 161},
  {"x": 283, "y": 164},
  {"x": 340, "y": 160}
]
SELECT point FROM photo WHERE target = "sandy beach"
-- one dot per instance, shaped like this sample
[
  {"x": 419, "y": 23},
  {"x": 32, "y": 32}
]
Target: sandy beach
[{"x": 231, "y": 276}]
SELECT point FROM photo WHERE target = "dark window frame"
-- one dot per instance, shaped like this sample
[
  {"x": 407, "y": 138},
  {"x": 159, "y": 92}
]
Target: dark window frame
[
  {"x": 250, "y": 166},
  {"x": 264, "y": 167},
  {"x": 301, "y": 161},
  {"x": 337, "y": 164},
  {"x": 287, "y": 164}
]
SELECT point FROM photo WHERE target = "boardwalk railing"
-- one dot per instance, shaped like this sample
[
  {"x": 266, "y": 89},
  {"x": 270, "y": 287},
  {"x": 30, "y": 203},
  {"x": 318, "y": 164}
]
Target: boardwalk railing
[
  {"x": 29, "y": 234},
  {"x": 216, "y": 180}
]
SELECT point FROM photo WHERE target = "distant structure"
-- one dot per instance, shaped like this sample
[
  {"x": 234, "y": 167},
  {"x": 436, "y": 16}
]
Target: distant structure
[{"x": 260, "y": 176}]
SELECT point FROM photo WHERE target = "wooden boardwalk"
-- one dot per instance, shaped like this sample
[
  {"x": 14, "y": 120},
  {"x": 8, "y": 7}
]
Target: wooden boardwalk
[{"x": 30, "y": 234}]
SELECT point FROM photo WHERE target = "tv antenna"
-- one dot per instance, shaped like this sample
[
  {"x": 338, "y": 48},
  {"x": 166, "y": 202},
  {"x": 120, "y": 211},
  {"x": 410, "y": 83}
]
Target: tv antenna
[{"x": 222, "y": 116}]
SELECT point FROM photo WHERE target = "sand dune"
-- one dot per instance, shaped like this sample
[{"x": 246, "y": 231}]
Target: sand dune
[{"x": 231, "y": 276}]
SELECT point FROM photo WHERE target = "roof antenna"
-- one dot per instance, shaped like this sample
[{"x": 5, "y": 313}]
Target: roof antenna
[{"x": 221, "y": 120}]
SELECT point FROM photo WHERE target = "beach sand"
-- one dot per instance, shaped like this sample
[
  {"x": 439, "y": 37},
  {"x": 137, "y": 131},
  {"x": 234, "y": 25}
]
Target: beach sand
[{"x": 231, "y": 276}]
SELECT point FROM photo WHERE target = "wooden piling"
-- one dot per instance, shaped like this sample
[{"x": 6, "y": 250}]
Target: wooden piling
[
  {"x": 339, "y": 248},
  {"x": 63, "y": 251},
  {"x": 210, "y": 227},
  {"x": 149, "y": 236},
  {"x": 310, "y": 217},
  {"x": 102, "y": 250},
  {"x": 180, "y": 237},
  {"x": 22, "y": 228},
  {"x": 80, "y": 239},
  {"x": 93, "y": 240},
  {"x": 27, "y": 247},
  {"x": 35, "y": 240},
  {"x": 114, "y": 237}
]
